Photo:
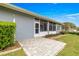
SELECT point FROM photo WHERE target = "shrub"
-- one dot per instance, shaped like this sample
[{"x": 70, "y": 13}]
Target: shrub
[
  {"x": 7, "y": 32},
  {"x": 64, "y": 32},
  {"x": 51, "y": 35},
  {"x": 77, "y": 33},
  {"x": 67, "y": 32}
]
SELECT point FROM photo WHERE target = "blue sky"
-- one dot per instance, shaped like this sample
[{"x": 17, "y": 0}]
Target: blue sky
[{"x": 62, "y": 12}]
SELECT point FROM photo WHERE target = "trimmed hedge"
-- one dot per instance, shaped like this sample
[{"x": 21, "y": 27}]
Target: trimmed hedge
[
  {"x": 67, "y": 32},
  {"x": 64, "y": 32},
  {"x": 51, "y": 35},
  {"x": 7, "y": 34}
]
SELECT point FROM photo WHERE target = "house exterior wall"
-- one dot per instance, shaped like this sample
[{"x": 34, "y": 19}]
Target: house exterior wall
[
  {"x": 25, "y": 28},
  {"x": 24, "y": 23},
  {"x": 52, "y": 32},
  {"x": 58, "y": 28},
  {"x": 5, "y": 15},
  {"x": 43, "y": 33}
]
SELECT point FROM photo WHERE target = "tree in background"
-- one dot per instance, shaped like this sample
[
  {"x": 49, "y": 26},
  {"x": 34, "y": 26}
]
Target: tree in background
[
  {"x": 69, "y": 25},
  {"x": 78, "y": 28}
]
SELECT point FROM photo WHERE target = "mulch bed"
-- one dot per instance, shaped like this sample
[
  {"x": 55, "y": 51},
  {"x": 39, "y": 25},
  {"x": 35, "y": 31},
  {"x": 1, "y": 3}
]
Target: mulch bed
[
  {"x": 14, "y": 46},
  {"x": 55, "y": 37}
]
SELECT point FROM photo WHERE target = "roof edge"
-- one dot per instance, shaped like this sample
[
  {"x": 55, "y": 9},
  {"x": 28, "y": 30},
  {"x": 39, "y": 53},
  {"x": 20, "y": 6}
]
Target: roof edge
[{"x": 16, "y": 8}]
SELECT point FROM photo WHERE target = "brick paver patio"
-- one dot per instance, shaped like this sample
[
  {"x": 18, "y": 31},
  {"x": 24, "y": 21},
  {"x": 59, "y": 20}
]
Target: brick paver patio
[{"x": 41, "y": 46}]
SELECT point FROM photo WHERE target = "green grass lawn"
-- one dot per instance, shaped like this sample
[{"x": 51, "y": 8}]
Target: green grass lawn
[
  {"x": 17, "y": 53},
  {"x": 72, "y": 47}
]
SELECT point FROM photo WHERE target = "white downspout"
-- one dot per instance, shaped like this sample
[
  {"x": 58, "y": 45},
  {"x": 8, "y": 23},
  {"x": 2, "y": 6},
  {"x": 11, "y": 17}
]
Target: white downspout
[
  {"x": 14, "y": 22},
  {"x": 14, "y": 18},
  {"x": 48, "y": 27},
  {"x": 56, "y": 29}
]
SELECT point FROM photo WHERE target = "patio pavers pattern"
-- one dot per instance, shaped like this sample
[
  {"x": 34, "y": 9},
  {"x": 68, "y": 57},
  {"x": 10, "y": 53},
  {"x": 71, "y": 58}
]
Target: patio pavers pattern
[{"x": 42, "y": 46}]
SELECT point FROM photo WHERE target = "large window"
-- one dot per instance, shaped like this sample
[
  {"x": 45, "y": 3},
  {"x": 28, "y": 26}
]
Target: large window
[
  {"x": 43, "y": 26},
  {"x": 62, "y": 27},
  {"x": 50, "y": 26},
  {"x": 58, "y": 27},
  {"x": 54, "y": 27}
]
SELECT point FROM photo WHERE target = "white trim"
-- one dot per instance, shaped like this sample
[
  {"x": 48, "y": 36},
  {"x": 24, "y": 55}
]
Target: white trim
[
  {"x": 34, "y": 27},
  {"x": 43, "y": 33},
  {"x": 48, "y": 27},
  {"x": 60, "y": 27},
  {"x": 52, "y": 32},
  {"x": 14, "y": 18},
  {"x": 56, "y": 27},
  {"x": 39, "y": 26}
]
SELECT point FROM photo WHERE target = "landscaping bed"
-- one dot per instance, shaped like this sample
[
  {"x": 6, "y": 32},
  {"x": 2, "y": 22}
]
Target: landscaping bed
[
  {"x": 11, "y": 50},
  {"x": 14, "y": 46},
  {"x": 8, "y": 44},
  {"x": 16, "y": 53}
]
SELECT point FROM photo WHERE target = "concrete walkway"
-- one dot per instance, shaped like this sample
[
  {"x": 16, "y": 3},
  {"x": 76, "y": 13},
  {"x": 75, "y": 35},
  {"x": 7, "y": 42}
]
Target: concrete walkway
[{"x": 41, "y": 47}]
